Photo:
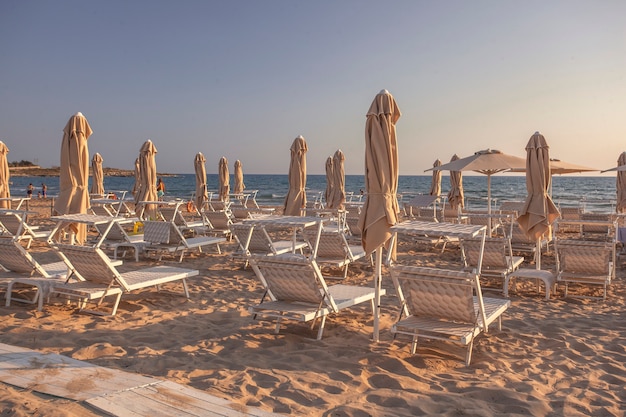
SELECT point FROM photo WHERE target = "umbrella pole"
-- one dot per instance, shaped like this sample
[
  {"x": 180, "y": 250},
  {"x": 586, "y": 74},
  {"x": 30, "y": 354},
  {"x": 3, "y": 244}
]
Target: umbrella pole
[
  {"x": 377, "y": 283},
  {"x": 538, "y": 254},
  {"x": 489, "y": 203}
]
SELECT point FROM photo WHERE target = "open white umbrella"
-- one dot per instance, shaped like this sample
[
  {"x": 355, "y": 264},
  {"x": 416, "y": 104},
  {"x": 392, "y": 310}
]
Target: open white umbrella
[
  {"x": 455, "y": 195},
  {"x": 224, "y": 178},
  {"x": 148, "y": 174},
  {"x": 202, "y": 195},
  {"x": 239, "y": 185},
  {"x": 5, "y": 175},
  {"x": 539, "y": 211},
  {"x": 74, "y": 172},
  {"x": 339, "y": 180},
  {"x": 97, "y": 186},
  {"x": 295, "y": 201},
  {"x": 380, "y": 210},
  {"x": 328, "y": 195},
  {"x": 487, "y": 162},
  {"x": 435, "y": 183}
]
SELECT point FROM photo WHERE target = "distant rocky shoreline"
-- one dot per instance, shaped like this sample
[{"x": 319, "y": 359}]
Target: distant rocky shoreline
[{"x": 54, "y": 172}]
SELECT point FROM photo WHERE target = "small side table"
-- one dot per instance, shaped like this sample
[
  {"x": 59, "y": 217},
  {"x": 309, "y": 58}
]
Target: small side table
[{"x": 548, "y": 278}]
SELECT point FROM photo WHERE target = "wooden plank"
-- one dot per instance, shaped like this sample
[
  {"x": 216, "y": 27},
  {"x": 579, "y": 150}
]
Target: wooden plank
[
  {"x": 112, "y": 391},
  {"x": 170, "y": 399}
]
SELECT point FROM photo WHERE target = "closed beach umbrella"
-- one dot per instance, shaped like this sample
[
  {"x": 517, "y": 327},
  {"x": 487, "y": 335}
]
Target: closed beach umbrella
[
  {"x": 97, "y": 186},
  {"x": 435, "y": 184},
  {"x": 5, "y": 175},
  {"x": 239, "y": 185},
  {"x": 74, "y": 172},
  {"x": 380, "y": 210},
  {"x": 296, "y": 196},
  {"x": 199, "y": 166},
  {"x": 148, "y": 174},
  {"x": 224, "y": 178},
  {"x": 137, "y": 185},
  {"x": 539, "y": 211},
  {"x": 455, "y": 195},
  {"x": 328, "y": 196},
  {"x": 620, "y": 184},
  {"x": 339, "y": 180}
]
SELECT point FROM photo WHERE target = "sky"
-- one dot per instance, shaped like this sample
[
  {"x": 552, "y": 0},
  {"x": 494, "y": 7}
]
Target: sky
[{"x": 242, "y": 79}]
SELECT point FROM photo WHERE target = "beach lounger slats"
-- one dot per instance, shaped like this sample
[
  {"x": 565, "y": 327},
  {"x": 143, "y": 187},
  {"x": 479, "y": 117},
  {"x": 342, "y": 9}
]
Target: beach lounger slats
[
  {"x": 585, "y": 262},
  {"x": 102, "y": 279},
  {"x": 497, "y": 261},
  {"x": 166, "y": 237},
  {"x": 443, "y": 305},
  {"x": 297, "y": 290},
  {"x": 333, "y": 249}
]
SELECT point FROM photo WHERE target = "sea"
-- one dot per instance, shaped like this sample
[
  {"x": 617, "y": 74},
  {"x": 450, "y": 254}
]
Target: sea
[{"x": 594, "y": 194}]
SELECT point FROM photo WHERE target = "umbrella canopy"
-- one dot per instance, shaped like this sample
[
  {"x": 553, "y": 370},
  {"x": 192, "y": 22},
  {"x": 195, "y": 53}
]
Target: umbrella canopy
[
  {"x": 5, "y": 175},
  {"x": 539, "y": 211},
  {"x": 137, "y": 185},
  {"x": 435, "y": 184},
  {"x": 455, "y": 195},
  {"x": 295, "y": 200},
  {"x": 339, "y": 180},
  {"x": 328, "y": 196},
  {"x": 558, "y": 167},
  {"x": 239, "y": 185},
  {"x": 74, "y": 172},
  {"x": 620, "y": 184},
  {"x": 380, "y": 210},
  {"x": 148, "y": 175},
  {"x": 97, "y": 186},
  {"x": 487, "y": 162},
  {"x": 224, "y": 178},
  {"x": 201, "y": 192}
]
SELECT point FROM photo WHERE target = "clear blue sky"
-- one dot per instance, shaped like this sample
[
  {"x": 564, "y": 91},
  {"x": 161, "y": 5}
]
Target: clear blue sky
[{"x": 242, "y": 79}]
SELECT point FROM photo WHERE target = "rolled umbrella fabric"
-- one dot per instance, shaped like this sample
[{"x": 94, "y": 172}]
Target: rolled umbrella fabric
[
  {"x": 328, "y": 195},
  {"x": 295, "y": 201},
  {"x": 456, "y": 198},
  {"x": 380, "y": 210},
  {"x": 97, "y": 186},
  {"x": 539, "y": 211},
  {"x": 148, "y": 174},
  {"x": 435, "y": 184},
  {"x": 202, "y": 196},
  {"x": 339, "y": 180},
  {"x": 137, "y": 184},
  {"x": 620, "y": 184},
  {"x": 224, "y": 178},
  {"x": 5, "y": 176},
  {"x": 239, "y": 185},
  {"x": 74, "y": 172}
]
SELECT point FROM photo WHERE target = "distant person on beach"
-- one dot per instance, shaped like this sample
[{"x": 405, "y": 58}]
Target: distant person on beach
[
  {"x": 44, "y": 190},
  {"x": 160, "y": 189},
  {"x": 29, "y": 190}
]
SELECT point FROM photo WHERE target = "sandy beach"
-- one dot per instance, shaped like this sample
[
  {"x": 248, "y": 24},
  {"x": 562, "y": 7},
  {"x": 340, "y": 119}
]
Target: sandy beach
[{"x": 552, "y": 357}]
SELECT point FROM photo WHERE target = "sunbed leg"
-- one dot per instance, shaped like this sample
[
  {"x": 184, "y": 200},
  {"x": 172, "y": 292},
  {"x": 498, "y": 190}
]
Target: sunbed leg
[
  {"x": 414, "y": 344},
  {"x": 117, "y": 302},
  {"x": 185, "y": 288},
  {"x": 321, "y": 329},
  {"x": 277, "y": 329},
  {"x": 219, "y": 250},
  {"x": 345, "y": 271},
  {"x": 468, "y": 356}
]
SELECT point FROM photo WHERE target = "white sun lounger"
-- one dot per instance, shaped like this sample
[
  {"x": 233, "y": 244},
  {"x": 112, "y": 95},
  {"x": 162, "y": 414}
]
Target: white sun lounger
[
  {"x": 101, "y": 279},
  {"x": 22, "y": 271},
  {"x": 296, "y": 290},
  {"x": 440, "y": 304},
  {"x": 166, "y": 237}
]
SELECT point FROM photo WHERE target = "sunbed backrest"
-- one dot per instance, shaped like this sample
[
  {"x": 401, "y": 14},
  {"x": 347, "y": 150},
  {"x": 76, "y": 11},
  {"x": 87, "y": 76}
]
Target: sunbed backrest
[
  {"x": 156, "y": 232},
  {"x": 437, "y": 293},
  {"x": 290, "y": 280},
  {"x": 91, "y": 263}
]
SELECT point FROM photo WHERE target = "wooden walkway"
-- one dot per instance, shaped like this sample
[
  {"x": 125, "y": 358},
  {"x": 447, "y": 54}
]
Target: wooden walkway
[{"x": 110, "y": 391}]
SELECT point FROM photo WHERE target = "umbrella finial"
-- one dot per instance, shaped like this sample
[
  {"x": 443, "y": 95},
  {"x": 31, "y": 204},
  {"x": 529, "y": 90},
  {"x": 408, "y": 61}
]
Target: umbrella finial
[{"x": 384, "y": 91}]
